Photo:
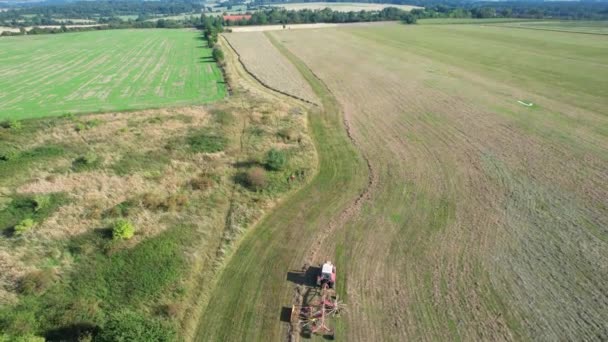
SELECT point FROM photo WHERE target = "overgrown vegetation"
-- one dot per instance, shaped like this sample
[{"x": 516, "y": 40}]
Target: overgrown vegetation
[
  {"x": 126, "y": 325},
  {"x": 86, "y": 162},
  {"x": 154, "y": 179},
  {"x": 276, "y": 160},
  {"x": 81, "y": 186},
  {"x": 23, "y": 226},
  {"x": 207, "y": 141},
  {"x": 22, "y": 212},
  {"x": 122, "y": 230},
  {"x": 218, "y": 55}
]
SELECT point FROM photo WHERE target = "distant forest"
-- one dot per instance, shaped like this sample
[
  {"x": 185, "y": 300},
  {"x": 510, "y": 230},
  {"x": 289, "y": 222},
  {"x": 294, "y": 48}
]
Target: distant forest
[
  {"x": 571, "y": 10},
  {"x": 110, "y": 12},
  {"x": 95, "y": 9},
  {"x": 590, "y": 10}
]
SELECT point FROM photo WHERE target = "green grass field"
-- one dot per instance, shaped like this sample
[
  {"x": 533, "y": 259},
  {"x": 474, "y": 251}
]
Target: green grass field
[
  {"x": 104, "y": 71},
  {"x": 577, "y": 26}
]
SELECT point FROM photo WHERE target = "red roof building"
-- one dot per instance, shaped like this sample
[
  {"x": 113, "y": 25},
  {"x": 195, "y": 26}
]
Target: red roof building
[{"x": 237, "y": 17}]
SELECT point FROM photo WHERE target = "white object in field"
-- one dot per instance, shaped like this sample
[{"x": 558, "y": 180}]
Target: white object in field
[
  {"x": 526, "y": 104},
  {"x": 328, "y": 268}
]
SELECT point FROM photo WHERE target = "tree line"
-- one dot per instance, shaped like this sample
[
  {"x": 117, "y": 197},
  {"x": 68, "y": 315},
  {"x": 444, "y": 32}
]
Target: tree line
[
  {"x": 280, "y": 16},
  {"x": 110, "y": 25},
  {"x": 574, "y": 10},
  {"x": 535, "y": 9},
  {"x": 96, "y": 9}
]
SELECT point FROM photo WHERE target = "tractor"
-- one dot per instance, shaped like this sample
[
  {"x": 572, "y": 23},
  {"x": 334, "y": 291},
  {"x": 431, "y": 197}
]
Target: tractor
[
  {"x": 327, "y": 275},
  {"x": 318, "y": 304}
]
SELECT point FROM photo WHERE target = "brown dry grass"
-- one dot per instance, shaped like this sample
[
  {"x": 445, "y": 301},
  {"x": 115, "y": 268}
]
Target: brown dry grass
[{"x": 268, "y": 65}]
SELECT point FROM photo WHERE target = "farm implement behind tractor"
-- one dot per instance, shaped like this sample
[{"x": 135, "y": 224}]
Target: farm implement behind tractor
[{"x": 319, "y": 304}]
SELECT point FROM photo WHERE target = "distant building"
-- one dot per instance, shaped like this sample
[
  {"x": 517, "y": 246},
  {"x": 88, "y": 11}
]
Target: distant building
[{"x": 237, "y": 17}]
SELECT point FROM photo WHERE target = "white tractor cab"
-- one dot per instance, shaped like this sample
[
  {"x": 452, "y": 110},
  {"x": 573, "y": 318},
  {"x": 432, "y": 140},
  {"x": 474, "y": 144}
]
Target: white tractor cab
[{"x": 328, "y": 275}]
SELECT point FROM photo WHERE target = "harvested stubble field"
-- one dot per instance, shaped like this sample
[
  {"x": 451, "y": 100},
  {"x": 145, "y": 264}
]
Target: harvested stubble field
[
  {"x": 179, "y": 175},
  {"x": 481, "y": 218},
  {"x": 50, "y": 75},
  {"x": 255, "y": 50}
]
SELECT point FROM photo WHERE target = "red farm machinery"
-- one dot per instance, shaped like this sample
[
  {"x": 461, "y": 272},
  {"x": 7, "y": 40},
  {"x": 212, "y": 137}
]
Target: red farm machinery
[{"x": 317, "y": 302}]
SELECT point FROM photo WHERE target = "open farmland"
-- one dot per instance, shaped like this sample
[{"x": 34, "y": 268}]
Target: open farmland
[
  {"x": 105, "y": 71},
  {"x": 189, "y": 180},
  {"x": 342, "y": 6},
  {"x": 254, "y": 50},
  {"x": 595, "y": 27},
  {"x": 483, "y": 215}
]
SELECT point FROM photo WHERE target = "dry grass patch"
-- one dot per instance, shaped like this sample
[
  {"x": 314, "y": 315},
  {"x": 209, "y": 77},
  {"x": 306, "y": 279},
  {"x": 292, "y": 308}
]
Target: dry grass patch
[{"x": 268, "y": 65}]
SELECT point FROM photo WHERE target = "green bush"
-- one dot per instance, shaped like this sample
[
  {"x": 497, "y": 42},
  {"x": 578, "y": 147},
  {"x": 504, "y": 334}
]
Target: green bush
[
  {"x": 276, "y": 159},
  {"x": 127, "y": 325},
  {"x": 218, "y": 54},
  {"x": 37, "y": 208},
  {"x": 89, "y": 161},
  {"x": 12, "y": 124},
  {"x": 122, "y": 230},
  {"x": 22, "y": 338},
  {"x": 41, "y": 202},
  {"x": 82, "y": 126},
  {"x": 207, "y": 142},
  {"x": 24, "y": 226},
  {"x": 8, "y": 153}
]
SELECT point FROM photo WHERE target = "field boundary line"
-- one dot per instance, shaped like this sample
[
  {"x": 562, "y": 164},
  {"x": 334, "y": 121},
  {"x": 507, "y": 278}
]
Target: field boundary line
[{"x": 260, "y": 80}]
